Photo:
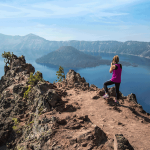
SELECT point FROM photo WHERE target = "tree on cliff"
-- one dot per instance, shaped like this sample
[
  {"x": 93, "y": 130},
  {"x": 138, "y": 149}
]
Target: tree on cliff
[
  {"x": 8, "y": 57},
  {"x": 59, "y": 74},
  {"x": 8, "y": 60}
]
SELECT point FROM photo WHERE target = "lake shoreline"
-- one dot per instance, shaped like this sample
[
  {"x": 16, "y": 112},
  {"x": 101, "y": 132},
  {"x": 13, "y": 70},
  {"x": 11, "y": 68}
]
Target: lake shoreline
[{"x": 101, "y": 62}]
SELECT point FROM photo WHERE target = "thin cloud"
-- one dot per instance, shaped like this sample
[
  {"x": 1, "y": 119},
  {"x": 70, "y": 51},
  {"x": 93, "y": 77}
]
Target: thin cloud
[
  {"x": 67, "y": 9},
  {"x": 74, "y": 19}
]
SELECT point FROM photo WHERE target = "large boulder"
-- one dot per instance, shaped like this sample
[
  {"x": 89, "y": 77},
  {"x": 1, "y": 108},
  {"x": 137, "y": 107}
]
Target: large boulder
[
  {"x": 121, "y": 143},
  {"x": 73, "y": 77},
  {"x": 73, "y": 80}
]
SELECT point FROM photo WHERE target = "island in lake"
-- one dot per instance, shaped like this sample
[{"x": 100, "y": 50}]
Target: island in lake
[{"x": 70, "y": 57}]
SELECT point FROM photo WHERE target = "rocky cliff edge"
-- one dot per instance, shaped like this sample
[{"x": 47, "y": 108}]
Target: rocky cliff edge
[{"x": 69, "y": 115}]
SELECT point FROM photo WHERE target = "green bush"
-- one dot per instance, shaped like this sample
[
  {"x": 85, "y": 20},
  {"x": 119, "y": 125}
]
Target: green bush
[
  {"x": 15, "y": 121},
  {"x": 33, "y": 80},
  {"x": 32, "y": 121},
  {"x": 15, "y": 127},
  {"x": 27, "y": 92}
]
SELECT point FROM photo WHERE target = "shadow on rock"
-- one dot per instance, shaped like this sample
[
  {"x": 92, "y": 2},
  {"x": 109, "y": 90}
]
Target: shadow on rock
[{"x": 145, "y": 119}]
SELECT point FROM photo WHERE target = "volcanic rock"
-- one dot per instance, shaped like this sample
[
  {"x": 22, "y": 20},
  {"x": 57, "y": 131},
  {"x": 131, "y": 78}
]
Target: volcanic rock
[{"x": 67, "y": 115}]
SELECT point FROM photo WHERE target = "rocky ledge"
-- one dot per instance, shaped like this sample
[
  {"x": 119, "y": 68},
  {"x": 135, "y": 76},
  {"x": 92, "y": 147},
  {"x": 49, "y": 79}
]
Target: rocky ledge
[{"x": 46, "y": 116}]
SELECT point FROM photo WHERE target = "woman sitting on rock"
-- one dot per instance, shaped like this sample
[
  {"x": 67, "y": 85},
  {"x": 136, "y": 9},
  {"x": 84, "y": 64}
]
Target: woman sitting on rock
[{"x": 116, "y": 77}]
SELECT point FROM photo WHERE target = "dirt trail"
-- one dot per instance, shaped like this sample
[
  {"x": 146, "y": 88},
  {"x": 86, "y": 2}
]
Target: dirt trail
[{"x": 111, "y": 121}]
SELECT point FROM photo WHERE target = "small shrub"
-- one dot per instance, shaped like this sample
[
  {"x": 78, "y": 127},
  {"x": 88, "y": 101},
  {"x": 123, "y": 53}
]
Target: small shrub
[
  {"x": 19, "y": 148},
  {"x": 27, "y": 92},
  {"x": 15, "y": 127},
  {"x": 32, "y": 121},
  {"x": 18, "y": 131},
  {"x": 15, "y": 121},
  {"x": 33, "y": 79}
]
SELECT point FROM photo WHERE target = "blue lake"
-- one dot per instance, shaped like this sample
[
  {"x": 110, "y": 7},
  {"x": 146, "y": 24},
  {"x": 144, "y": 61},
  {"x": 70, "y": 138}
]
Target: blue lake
[{"x": 133, "y": 80}]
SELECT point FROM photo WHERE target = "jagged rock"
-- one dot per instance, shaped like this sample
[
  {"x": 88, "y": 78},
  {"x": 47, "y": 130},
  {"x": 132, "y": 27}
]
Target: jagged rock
[
  {"x": 17, "y": 61},
  {"x": 96, "y": 97},
  {"x": 28, "y": 122},
  {"x": 73, "y": 80},
  {"x": 17, "y": 71},
  {"x": 93, "y": 134},
  {"x": 121, "y": 143},
  {"x": 132, "y": 97},
  {"x": 93, "y": 87},
  {"x": 11, "y": 100},
  {"x": 19, "y": 89},
  {"x": 52, "y": 97},
  {"x": 73, "y": 77},
  {"x": 101, "y": 92},
  {"x": 19, "y": 64},
  {"x": 6, "y": 68},
  {"x": 5, "y": 128}
]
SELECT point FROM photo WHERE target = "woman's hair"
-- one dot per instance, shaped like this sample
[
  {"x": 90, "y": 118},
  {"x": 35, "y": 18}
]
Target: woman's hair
[{"x": 116, "y": 59}]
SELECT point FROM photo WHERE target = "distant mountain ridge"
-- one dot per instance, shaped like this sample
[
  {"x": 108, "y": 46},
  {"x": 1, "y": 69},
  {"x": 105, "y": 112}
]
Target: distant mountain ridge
[{"x": 33, "y": 46}]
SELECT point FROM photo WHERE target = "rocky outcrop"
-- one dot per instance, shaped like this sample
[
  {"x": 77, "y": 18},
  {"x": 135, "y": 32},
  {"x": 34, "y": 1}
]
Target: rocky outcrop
[
  {"x": 120, "y": 143},
  {"x": 18, "y": 71},
  {"x": 24, "y": 121}
]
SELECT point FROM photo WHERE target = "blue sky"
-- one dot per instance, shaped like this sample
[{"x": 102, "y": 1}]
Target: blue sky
[{"x": 63, "y": 20}]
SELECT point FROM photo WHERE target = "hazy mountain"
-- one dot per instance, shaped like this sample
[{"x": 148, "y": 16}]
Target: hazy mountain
[
  {"x": 33, "y": 46},
  {"x": 68, "y": 56}
]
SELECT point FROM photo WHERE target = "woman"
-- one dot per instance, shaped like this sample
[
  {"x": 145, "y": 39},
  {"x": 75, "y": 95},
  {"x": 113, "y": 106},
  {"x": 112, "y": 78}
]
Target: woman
[{"x": 116, "y": 77}]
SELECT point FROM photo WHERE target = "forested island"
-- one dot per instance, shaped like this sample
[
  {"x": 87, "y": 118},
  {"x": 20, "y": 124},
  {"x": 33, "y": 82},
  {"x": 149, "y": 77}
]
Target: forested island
[{"x": 68, "y": 56}]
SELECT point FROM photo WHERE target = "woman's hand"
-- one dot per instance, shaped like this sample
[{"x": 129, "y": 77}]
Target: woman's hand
[{"x": 111, "y": 64}]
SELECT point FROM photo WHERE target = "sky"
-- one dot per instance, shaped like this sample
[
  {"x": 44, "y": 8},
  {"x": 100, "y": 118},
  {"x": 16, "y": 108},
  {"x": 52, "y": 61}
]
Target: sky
[{"x": 83, "y": 20}]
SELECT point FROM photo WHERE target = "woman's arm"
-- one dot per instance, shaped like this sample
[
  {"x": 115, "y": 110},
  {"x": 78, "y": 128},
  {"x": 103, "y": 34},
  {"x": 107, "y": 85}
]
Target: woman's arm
[{"x": 111, "y": 68}]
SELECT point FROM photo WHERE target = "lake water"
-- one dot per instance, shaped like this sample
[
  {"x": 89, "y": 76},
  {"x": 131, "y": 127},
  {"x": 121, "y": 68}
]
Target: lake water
[{"x": 133, "y": 80}]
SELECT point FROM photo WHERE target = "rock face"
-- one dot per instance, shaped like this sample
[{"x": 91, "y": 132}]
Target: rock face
[
  {"x": 120, "y": 143},
  {"x": 24, "y": 121}
]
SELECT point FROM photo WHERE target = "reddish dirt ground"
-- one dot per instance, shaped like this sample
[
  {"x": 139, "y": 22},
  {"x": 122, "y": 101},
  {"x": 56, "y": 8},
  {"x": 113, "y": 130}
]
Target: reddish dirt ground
[{"x": 111, "y": 119}]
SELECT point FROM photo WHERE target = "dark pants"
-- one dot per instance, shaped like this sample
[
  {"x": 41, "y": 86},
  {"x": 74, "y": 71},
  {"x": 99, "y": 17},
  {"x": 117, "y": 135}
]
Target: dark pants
[{"x": 117, "y": 85}]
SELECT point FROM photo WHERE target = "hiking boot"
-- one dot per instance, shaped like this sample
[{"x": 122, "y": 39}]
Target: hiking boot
[
  {"x": 116, "y": 102},
  {"x": 105, "y": 96}
]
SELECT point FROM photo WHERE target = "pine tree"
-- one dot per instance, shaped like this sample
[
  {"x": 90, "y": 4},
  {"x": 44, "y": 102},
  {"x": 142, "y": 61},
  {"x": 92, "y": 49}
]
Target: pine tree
[
  {"x": 8, "y": 57},
  {"x": 59, "y": 74}
]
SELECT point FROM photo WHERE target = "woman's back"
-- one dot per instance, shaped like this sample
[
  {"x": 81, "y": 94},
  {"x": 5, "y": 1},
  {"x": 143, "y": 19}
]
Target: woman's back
[
  {"x": 117, "y": 67},
  {"x": 116, "y": 76}
]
